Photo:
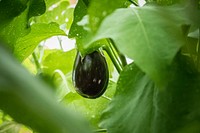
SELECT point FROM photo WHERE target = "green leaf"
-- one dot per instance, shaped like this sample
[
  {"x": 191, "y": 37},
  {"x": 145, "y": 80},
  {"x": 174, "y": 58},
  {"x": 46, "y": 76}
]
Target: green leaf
[
  {"x": 17, "y": 25},
  {"x": 9, "y": 11},
  {"x": 65, "y": 61},
  {"x": 30, "y": 101},
  {"x": 61, "y": 13},
  {"x": 130, "y": 109},
  {"x": 99, "y": 10},
  {"x": 36, "y": 8},
  {"x": 14, "y": 29},
  {"x": 91, "y": 109},
  {"x": 39, "y": 32},
  {"x": 80, "y": 11},
  {"x": 50, "y": 3},
  {"x": 96, "y": 12},
  {"x": 149, "y": 35},
  {"x": 192, "y": 12},
  {"x": 140, "y": 107}
]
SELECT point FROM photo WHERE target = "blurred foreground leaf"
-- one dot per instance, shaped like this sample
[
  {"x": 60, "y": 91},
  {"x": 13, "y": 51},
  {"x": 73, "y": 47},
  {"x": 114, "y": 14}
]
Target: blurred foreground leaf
[{"x": 30, "y": 101}]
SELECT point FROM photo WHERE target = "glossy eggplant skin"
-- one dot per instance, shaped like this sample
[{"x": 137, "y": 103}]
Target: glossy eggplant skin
[{"x": 90, "y": 75}]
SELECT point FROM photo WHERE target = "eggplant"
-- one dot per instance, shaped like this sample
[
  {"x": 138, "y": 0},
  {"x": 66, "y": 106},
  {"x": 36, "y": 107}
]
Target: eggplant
[{"x": 90, "y": 75}]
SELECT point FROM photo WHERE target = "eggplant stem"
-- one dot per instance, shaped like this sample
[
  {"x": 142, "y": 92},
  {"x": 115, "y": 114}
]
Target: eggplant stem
[
  {"x": 114, "y": 55},
  {"x": 121, "y": 56}
]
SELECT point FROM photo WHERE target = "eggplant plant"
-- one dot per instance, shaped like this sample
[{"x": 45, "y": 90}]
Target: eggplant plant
[{"x": 136, "y": 69}]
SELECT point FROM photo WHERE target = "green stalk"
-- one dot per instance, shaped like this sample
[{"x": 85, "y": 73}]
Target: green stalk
[
  {"x": 133, "y": 2},
  {"x": 38, "y": 67},
  {"x": 114, "y": 55},
  {"x": 121, "y": 56},
  {"x": 60, "y": 43}
]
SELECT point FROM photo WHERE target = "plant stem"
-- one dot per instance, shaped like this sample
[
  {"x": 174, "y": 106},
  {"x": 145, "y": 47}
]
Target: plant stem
[
  {"x": 114, "y": 55},
  {"x": 36, "y": 63},
  {"x": 133, "y": 2},
  {"x": 60, "y": 42},
  {"x": 41, "y": 49},
  {"x": 121, "y": 56}
]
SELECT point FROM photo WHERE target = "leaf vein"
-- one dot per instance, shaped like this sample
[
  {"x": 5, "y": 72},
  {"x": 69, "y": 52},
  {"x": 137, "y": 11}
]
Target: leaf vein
[{"x": 143, "y": 28}]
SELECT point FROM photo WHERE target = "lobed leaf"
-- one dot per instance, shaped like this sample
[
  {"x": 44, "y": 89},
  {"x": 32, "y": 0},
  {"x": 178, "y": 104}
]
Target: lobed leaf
[
  {"x": 15, "y": 17},
  {"x": 39, "y": 32},
  {"x": 59, "y": 12}
]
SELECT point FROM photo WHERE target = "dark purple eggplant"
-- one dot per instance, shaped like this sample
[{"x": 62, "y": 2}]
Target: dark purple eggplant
[{"x": 90, "y": 75}]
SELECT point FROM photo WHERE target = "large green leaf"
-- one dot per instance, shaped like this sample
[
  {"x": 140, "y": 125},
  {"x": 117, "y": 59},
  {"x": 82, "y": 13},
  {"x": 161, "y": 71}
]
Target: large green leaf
[
  {"x": 140, "y": 107},
  {"x": 39, "y": 32},
  {"x": 93, "y": 11},
  {"x": 17, "y": 25},
  {"x": 131, "y": 107},
  {"x": 150, "y": 35}
]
